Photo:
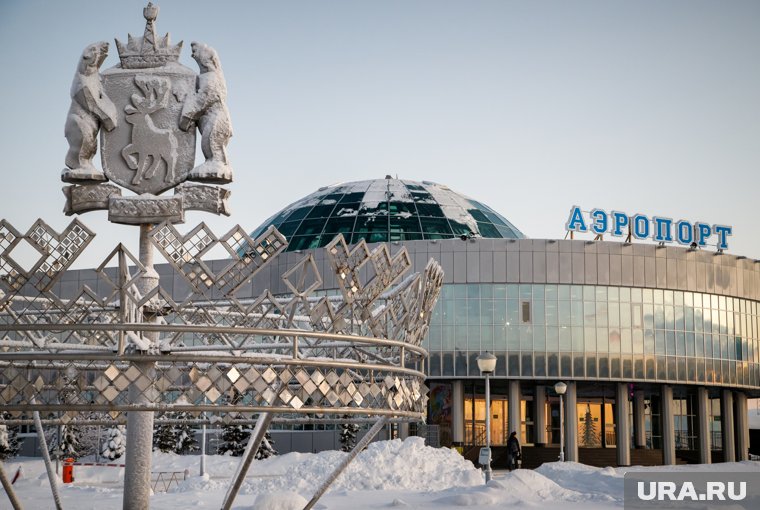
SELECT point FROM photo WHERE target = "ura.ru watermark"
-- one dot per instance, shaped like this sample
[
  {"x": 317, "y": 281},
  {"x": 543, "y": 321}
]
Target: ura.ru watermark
[{"x": 691, "y": 490}]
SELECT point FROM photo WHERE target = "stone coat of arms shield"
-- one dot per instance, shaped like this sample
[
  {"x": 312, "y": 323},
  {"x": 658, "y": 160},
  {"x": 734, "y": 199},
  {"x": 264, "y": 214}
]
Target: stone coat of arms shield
[{"x": 148, "y": 152}]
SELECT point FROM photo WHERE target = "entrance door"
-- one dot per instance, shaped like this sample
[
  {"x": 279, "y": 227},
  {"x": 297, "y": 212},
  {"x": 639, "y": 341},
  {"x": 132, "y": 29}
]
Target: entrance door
[
  {"x": 475, "y": 421},
  {"x": 498, "y": 421},
  {"x": 554, "y": 423}
]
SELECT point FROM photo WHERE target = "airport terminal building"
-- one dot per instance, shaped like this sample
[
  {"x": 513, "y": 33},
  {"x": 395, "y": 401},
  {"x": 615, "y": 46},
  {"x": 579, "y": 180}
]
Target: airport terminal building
[{"x": 658, "y": 344}]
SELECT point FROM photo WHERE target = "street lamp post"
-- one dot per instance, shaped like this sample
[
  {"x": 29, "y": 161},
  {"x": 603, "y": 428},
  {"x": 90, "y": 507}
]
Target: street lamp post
[
  {"x": 561, "y": 388},
  {"x": 487, "y": 364}
]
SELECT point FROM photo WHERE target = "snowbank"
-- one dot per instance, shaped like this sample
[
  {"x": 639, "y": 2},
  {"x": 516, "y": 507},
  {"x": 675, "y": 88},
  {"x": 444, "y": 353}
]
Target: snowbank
[
  {"x": 389, "y": 474},
  {"x": 384, "y": 465},
  {"x": 279, "y": 501}
]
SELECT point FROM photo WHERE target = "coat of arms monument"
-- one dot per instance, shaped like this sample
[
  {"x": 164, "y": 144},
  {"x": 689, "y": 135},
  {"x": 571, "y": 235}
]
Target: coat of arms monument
[{"x": 146, "y": 109}]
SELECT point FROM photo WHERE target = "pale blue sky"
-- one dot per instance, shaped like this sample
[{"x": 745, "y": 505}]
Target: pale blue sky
[{"x": 530, "y": 107}]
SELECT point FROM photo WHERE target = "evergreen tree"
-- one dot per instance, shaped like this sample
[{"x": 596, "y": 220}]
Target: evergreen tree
[
  {"x": 164, "y": 438},
  {"x": 235, "y": 438},
  {"x": 266, "y": 448},
  {"x": 348, "y": 435},
  {"x": 68, "y": 444},
  {"x": 175, "y": 438},
  {"x": 9, "y": 444},
  {"x": 115, "y": 443},
  {"x": 185, "y": 436},
  {"x": 589, "y": 435}
]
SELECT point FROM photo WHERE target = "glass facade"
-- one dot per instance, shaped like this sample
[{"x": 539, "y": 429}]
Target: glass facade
[
  {"x": 595, "y": 332},
  {"x": 386, "y": 210}
]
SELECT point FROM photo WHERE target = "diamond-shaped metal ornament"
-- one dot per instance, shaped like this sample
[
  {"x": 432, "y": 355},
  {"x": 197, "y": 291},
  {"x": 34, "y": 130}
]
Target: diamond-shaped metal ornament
[{"x": 233, "y": 375}]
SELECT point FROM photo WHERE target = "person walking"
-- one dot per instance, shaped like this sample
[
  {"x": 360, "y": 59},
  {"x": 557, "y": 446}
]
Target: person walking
[{"x": 514, "y": 454}]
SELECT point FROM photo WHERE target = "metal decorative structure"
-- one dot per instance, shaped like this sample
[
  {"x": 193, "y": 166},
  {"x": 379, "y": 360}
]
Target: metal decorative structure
[
  {"x": 123, "y": 347},
  {"x": 73, "y": 355}
]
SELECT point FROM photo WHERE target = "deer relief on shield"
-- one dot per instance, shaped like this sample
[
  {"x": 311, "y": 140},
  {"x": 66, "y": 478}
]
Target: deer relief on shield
[{"x": 151, "y": 147}]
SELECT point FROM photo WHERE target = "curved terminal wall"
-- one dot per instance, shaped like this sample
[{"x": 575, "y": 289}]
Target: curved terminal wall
[
  {"x": 595, "y": 311},
  {"x": 592, "y": 310}
]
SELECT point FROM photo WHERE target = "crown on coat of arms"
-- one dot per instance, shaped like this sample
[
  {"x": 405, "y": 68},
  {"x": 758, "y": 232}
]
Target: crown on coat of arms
[{"x": 148, "y": 50}]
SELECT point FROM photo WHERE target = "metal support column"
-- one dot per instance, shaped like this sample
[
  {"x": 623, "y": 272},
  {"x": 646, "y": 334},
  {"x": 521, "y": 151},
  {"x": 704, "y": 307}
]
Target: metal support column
[
  {"x": 668, "y": 426},
  {"x": 623, "y": 439},
  {"x": 457, "y": 413},
  {"x": 639, "y": 423},
  {"x": 727, "y": 425},
  {"x": 245, "y": 463},
  {"x": 362, "y": 444},
  {"x": 539, "y": 415},
  {"x": 703, "y": 425},
  {"x": 140, "y": 423},
  {"x": 571, "y": 423},
  {"x": 46, "y": 457},
  {"x": 742, "y": 426},
  {"x": 513, "y": 412},
  {"x": 403, "y": 430},
  {"x": 15, "y": 503}
]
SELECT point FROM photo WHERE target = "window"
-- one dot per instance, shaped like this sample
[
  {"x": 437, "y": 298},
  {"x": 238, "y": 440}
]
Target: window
[{"x": 525, "y": 312}]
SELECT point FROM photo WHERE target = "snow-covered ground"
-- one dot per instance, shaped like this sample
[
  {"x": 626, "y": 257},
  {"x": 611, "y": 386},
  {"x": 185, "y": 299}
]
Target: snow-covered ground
[{"x": 388, "y": 474}]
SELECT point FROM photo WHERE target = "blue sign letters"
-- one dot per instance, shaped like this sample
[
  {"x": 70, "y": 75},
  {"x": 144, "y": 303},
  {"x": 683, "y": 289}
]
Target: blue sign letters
[{"x": 640, "y": 226}]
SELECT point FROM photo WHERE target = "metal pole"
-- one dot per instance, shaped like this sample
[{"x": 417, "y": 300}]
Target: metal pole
[
  {"x": 46, "y": 457},
  {"x": 140, "y": 423},
  {"x": 203, "y": 449},
  {"x": 250, "y": 452},
  {"x": 203, "y": 442},
  {"x": 371, "y": 433},
  {"x": 561, "y": 430},
  {"x": 97, "y": 451},
  {"x": 488, "y": 426},
  {"x": 58, "y": 449},
  {"x": 15, "y": 503}
]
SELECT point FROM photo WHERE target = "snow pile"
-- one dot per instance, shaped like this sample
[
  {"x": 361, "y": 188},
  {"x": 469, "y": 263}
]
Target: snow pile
[
  {"x": 408, "y": 465},
  {"x": 520, "y": 488},
  {"x": 596, "y": 483},
  {"x": 384, "y": 465},
  {"x": 279, "y": 501}
]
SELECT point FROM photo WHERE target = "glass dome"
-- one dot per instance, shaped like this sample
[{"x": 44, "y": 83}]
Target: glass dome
[{"x": 383, "y": 210}]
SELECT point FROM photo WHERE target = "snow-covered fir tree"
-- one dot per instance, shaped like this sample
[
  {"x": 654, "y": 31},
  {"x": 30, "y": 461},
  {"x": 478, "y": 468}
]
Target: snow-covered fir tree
[
  {"x": 266, "y": 448},
  {"x": 348, "y": 435},
  {"x": 67, "y": 444},
  {"x": 9, "y": 444},
  {"x": 235, "y": 438},
  {"x": 164, "y": 438},
  {"x": 115, "y": 443},
  {"x": 185, "y": 436},
  {"x": 176, "y": 438},
  {"x": 90, "y": 439}
]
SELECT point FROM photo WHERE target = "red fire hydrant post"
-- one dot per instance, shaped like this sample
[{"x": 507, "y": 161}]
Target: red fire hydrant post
[{"x": 68, "y": 470}]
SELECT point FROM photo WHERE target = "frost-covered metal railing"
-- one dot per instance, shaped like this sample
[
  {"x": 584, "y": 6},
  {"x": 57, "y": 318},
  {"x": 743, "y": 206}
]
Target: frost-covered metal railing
[{"x": 86, "y": 354}]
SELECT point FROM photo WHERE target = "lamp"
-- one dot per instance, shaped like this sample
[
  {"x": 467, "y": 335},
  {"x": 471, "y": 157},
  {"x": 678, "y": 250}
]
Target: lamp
[
  {"x": 487, "y": 365},
  {"x": 561, "y": 388}
]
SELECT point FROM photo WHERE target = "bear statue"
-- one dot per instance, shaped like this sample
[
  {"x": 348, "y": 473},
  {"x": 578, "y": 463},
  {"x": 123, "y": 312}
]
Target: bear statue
[
  {"x": 207, "y": 107},
  {"x": 90, "y": 108}
]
